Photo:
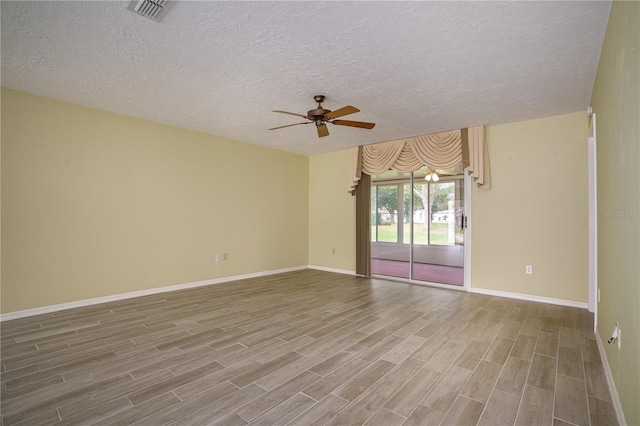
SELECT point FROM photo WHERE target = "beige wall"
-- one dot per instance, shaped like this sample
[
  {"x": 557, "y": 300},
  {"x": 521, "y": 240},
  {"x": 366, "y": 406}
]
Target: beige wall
[
  {"x": 616, "y": 102},
  {"x": 331, "y": 213},
  {"x": 124, "y": 204},
  {"x": 536, "y": 212},
  {"x": 97, "y": 204}
]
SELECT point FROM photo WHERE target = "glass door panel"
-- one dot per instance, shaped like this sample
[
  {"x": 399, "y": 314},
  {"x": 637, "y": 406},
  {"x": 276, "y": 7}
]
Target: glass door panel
[
  {"x": 442, "y": 213},
  {"x": 437, "y": 229},
  {"x": 385, "y": 226},
  {"x": 390, "y": 248}
]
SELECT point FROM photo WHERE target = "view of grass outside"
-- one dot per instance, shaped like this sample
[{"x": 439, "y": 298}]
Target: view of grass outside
[
  {"x": 393, "y": 202},
  {"x": 389, "y": 233}
]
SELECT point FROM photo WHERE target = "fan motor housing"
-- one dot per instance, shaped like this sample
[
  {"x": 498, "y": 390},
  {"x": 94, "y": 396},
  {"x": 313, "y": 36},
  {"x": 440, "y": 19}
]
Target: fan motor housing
[{"x": 318, "y": 113}]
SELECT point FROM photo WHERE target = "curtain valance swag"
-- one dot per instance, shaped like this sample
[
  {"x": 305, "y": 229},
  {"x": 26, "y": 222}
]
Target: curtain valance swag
[{"x": 437, "y": 151}]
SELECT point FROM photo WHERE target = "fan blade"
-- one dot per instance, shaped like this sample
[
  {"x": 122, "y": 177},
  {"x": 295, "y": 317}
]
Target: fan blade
[
  {"x": 340, "y": 112},
  {"x": 288, "y": 125},
  {"x": 360, "y": 124},
  {"x": 322, "y": 130},
  {"x": 292, "y": 113}
]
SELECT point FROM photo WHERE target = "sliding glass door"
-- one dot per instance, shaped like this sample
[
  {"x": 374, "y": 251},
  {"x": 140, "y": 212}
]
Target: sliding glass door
[
  {"x": 389, "y": 230},
  {"x": 417, "y": 226}
]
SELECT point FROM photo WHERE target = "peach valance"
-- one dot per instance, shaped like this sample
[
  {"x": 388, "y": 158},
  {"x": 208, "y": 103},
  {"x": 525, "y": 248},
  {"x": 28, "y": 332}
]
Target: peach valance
[{"x": 437, "y": 150}]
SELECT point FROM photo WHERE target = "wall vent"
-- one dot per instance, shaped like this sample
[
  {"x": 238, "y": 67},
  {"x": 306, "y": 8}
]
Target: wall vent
[{"x": 152, "y": 9}]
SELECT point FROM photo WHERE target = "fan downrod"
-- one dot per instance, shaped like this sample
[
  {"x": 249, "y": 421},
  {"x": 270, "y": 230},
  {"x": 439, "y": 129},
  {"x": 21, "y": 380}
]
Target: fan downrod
[{"x": 318, "y": 113}]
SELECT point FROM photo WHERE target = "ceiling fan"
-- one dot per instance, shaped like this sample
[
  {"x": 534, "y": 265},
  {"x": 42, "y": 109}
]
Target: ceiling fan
[{"x": 321, "y": 117}]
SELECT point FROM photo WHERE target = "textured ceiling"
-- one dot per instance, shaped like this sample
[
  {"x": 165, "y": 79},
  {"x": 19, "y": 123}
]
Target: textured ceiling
[{"x": 221, "y": 67}]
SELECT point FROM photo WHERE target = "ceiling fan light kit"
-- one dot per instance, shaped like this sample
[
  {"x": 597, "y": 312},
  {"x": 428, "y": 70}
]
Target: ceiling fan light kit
[
  {"x": 432, "y": 176},
  {"x": 321, "y": 116}
]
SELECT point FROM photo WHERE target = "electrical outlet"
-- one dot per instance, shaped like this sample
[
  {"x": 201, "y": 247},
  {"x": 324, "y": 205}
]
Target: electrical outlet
[
  {"x": 225, "y": 256},
  {"x": 218, "y": 258},
  {"x": 528, "y": 269}
]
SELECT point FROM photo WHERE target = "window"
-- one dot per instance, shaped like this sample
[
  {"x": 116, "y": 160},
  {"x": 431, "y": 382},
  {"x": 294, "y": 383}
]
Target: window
[
  {"x": 437, "y": 224},
  {"x": 384, "y": 213}
]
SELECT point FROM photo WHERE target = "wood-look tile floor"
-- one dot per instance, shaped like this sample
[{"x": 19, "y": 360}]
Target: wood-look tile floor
[{"x": 306, "y": 348}]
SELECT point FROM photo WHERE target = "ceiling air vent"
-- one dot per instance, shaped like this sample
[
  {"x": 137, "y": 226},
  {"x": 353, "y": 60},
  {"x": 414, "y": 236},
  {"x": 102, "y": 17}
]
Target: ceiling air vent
[{"x": 152, "y": 9}]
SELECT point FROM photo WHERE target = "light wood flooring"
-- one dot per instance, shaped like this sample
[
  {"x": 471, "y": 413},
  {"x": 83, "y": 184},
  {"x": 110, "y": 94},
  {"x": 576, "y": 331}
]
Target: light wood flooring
[{"x": 306, "y": 348}]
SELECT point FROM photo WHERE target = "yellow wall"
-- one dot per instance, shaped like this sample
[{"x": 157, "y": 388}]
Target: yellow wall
[
  {"x": 536, "y": 212},
  {"x": 105, "y": 204},
  {"x": 97, "y": 204},
  {"x": 1, "y": 92},
  {"x": 331, "y": 213},
  {"x": 616, "y": 102}
]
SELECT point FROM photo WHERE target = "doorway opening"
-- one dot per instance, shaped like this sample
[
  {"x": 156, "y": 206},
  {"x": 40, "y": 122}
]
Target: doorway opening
[{"x": 417, "y": 226}]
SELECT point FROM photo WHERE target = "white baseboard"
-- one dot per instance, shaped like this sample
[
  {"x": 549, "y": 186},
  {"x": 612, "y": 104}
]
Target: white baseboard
[
  {"x": 615, "y": 398},
  {"x": 530, "y": 298},
  {"x": 123, "y": 296},
  {"x": 337, "y": 271},
  {"x": 130, "y": 295},
  {"x": 520, "y": 296}
]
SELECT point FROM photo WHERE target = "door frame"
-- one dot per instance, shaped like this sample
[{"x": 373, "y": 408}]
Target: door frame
[
  {"x": 468, "y": 187},
  {"x": 593, "y": 218}
]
